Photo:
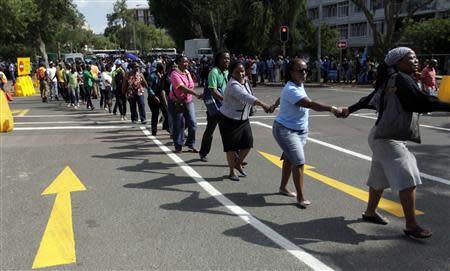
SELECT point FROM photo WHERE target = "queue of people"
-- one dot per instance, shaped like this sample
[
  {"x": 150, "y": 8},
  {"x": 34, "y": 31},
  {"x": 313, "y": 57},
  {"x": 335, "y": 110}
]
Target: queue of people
[{"x": 229, "y": 101}]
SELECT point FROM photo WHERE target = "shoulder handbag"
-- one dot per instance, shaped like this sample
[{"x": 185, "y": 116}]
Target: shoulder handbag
[
  {"x": 212, "y": 104},
  {"x": 395, "y": 122},
  {"x": 179, "y": 105}
]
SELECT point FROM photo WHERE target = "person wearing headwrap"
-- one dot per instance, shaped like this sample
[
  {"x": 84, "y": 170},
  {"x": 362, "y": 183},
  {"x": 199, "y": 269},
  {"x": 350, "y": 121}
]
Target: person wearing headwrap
[{"x": 398, "y": 99}]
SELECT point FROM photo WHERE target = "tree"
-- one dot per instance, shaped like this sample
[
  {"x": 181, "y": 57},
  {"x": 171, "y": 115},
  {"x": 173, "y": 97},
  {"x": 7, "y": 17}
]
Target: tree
[
  {"x": 436, "y": 40},
  {"x": 123, "y": 29},
  {"x": 395, "y": 13}
]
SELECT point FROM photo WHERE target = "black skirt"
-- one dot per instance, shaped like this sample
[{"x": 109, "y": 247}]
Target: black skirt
[{"x": 236, "y": 134}]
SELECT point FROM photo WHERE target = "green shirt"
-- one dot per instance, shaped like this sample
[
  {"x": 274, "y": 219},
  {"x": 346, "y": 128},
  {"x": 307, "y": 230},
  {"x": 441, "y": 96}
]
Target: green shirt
[
  {"x": 73, "y": 79},
  {"x": 88, "y": 78},
  {"x": 218, "y": 79}
]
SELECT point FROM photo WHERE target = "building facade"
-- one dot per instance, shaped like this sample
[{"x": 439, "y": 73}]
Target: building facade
[
  {"x": 351, "y": 23},
  {"x": 142, "y": 14}
]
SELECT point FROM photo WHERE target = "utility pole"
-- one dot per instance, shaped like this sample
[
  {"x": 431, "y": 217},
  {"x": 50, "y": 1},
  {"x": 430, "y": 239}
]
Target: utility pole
[{"x": 319, "y": 43}]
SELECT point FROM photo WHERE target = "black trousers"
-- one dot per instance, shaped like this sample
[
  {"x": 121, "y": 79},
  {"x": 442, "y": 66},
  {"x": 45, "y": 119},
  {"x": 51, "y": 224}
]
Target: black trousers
[
  {"x": 207, "y": 138},
  {"x": 121, "y": 103},
  {"x": 155, "y": 108}
]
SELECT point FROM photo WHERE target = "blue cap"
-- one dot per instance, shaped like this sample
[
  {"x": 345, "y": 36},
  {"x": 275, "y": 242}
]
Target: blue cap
[{"x": 118, "y": 62}]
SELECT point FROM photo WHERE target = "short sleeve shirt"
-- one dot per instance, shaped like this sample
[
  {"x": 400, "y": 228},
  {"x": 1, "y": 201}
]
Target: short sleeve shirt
[
  {"x": 218, "y": 79},
  {"x": 177, "y": 78},
  {"x": 291, "y": 115}
]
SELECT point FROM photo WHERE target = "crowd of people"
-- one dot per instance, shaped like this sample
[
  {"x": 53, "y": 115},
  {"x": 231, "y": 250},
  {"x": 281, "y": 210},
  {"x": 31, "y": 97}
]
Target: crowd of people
[{"x": 229, "y": 100}]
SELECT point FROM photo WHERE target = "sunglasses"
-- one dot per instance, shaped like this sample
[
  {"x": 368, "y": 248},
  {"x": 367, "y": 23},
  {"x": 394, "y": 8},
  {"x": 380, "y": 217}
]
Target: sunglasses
[{"x": 302, "y": 70}]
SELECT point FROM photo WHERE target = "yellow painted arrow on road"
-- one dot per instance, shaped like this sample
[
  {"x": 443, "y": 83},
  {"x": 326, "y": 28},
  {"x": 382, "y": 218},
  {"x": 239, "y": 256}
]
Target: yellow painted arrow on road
[
  {"x": 385, "y": 204},
  {"x": 58, "y": 244}
]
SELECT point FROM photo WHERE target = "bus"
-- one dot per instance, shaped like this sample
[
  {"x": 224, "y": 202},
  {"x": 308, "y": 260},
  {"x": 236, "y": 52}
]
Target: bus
[{"x": 172, "y": 52}]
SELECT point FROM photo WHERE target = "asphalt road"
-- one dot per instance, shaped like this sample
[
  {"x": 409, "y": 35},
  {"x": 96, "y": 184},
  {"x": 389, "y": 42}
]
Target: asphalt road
[{"x": 145, "y": 208}]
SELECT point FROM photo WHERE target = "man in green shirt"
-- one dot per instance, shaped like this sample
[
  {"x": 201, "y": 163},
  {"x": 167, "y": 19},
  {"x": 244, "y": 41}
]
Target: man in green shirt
[
  {"x": 217, "y": 82},
  {"x": 88, "y": 83}
]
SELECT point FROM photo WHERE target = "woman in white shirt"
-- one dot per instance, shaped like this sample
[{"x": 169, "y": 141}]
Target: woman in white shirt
[{"x": 234, "y": 124}]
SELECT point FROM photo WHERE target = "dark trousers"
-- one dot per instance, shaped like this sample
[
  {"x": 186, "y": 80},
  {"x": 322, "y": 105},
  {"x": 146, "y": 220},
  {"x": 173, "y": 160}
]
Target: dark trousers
[
  {"x": 155, "y": 108},
  {"x": 139, "y": 100},
  {"x": 88, "y": 92},
  {"x": 207, "y": 138},
  {"x": 121, "y": 103}
]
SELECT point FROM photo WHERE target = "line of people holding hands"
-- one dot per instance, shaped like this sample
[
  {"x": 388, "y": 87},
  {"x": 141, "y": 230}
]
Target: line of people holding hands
[{"x": 396, "y": 98}]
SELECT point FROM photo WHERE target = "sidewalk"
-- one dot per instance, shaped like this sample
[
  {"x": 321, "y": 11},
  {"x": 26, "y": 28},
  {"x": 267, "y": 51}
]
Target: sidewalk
[{"x": 320, "y": 85}]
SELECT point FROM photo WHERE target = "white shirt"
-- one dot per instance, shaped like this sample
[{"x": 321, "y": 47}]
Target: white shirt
[{"x": 52, "y": 73}]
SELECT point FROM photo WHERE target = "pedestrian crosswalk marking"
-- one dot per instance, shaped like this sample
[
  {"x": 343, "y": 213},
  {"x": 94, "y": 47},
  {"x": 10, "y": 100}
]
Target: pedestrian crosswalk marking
[{"x": 389, "y": 206}]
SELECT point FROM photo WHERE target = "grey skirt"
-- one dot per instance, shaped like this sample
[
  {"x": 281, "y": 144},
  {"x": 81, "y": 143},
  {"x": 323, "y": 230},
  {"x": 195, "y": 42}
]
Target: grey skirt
[{"x": 393, "y": 165}]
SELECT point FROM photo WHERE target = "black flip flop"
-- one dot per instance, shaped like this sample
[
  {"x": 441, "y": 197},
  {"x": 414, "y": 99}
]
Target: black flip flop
[
  {"x": 376, "y": 219},
  {"x": 418, "y": 232}
]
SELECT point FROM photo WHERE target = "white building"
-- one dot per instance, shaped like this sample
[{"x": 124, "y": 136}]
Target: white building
[{"x": 351, "y": 22}]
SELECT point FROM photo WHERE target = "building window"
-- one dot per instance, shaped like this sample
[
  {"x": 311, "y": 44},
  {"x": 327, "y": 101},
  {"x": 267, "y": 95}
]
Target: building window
[
  {"x": 330, "y": 11},
  {"x": 358, "y": 30},
  {"x": 313, "y": 13},
  {"x": 380, "y": 26},
  {"x": 342, "y": 9},
  {"x": 343, "y": 31},
  {"x": 356, "y": 9},
  {"x": 376, "y": 4}
]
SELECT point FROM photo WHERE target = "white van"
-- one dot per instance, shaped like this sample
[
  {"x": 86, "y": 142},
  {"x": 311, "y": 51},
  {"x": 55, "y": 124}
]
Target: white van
[{"x": 74, "y": 58}]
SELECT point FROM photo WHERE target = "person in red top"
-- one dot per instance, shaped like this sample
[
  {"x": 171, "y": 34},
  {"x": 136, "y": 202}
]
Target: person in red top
[{"x": 428, "y": 78}]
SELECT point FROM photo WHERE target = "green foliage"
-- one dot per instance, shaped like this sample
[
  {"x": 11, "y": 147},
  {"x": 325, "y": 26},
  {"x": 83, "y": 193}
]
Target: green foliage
[
  {"x": 428, "y": 37},
  {"x": 125, "y": 32}
]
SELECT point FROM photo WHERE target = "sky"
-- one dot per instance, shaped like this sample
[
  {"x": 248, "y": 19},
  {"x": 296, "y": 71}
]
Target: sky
[{"x": 95, "y": 11}]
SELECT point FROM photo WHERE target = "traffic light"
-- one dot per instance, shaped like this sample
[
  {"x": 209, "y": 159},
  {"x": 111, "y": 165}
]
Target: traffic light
[{"x": 284, "y": 33}]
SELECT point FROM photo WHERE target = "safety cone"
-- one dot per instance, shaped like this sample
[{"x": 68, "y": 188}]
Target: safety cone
[
  {"x": 444, "y": 89},
  {"x": 6, "y": 117}
]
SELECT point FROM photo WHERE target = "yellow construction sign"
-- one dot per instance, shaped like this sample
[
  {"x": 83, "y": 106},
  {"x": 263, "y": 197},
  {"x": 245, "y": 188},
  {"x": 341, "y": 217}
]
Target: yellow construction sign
[
  {"x": 444, "y": 89},
  {"x": 23, "y": 66}
]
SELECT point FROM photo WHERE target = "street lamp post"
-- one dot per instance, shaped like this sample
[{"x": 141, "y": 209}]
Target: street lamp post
[{"x": 319, "y": 42}]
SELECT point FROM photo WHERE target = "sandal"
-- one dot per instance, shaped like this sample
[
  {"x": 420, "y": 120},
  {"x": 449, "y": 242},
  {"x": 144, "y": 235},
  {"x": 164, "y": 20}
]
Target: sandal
[
  {"x": 287, "y": 193},
  {"x": 376, "y": 219},
  {"x": 241, "y": 171},
  {"x": 303, "y": 204},
  {"x": 418, "y": 232},
  {"x": 233, "y": 178}
]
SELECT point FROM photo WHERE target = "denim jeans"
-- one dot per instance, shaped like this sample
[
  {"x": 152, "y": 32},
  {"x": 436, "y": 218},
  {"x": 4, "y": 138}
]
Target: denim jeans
[
  {"x": 139, "y": 100},
  {"x": 54, "y": 89},
  {"x": 179, "y": 121},
  {"x": 74, "y": 93}
]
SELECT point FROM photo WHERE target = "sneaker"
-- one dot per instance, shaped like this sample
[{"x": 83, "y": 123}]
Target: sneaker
[
  {"x": 133, "y": 121},
  {"x": 125, "y": 118},
  {"x": 122, "y": 118},
  {"x": 203, "y": 158},
  {"x": 76, "y": 107},
  {"x": 106, "y": 109},
  {"x": 88, "y": 107},
  {"x": 92, "y": 108},
  {"x": 69, "y": 105},
  {"x": 143, "y": 122}
]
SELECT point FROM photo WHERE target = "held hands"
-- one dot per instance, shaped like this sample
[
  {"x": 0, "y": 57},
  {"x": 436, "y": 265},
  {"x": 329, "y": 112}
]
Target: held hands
[
  {"x": 199, "y": 96},
  {"x": 267, "y": 108},
  {"x": 341, "y": 112}
]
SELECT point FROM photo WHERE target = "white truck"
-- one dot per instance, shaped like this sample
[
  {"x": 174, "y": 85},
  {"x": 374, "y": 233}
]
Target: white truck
[{"x": 197, "y": 48}]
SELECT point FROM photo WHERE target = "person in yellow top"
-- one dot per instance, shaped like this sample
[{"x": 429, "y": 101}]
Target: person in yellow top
[
  {"x": 3, "y": 79},
  {"x": 94, "y": 72},
  {"x": 60, "y": 76}
]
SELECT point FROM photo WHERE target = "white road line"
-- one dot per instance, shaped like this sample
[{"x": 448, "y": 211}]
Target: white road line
[
  {"x": 359, "y": 155},
  {"x": 421, "y": 125},
  {"x": 99, "y": 127},
  {"x": 70, "y": 121},
  {"x": 299, "y": 253}
]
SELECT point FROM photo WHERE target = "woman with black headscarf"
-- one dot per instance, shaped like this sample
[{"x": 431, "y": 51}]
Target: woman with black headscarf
[{"x": 397, "y": 98}]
